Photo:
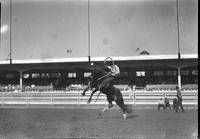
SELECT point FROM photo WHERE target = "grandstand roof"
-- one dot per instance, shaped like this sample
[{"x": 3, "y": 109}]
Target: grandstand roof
[
  {"x": 78, "y": 64},
  {"x": 116, "y": 58}
]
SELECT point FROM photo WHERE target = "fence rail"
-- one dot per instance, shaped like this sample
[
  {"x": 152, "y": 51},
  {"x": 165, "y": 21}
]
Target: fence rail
[{"x": 74, "y": 97}]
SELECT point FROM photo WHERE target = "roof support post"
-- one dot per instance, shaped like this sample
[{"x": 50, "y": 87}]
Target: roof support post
[
  {"x": 21, "y": 80},
  {"x": 179, "y": 76}
]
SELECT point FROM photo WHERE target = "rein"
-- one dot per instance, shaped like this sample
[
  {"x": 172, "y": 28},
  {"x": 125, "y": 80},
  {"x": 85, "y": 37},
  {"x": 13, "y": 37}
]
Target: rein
[{"x": 103, "y": 76}]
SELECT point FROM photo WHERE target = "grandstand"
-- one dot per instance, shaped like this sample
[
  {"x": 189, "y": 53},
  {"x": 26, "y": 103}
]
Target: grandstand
[{"x": 45, "y": 58}]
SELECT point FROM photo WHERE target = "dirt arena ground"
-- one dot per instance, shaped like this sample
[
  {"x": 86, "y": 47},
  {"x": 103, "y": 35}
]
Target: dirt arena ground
[{"x": 90, "y": 122}]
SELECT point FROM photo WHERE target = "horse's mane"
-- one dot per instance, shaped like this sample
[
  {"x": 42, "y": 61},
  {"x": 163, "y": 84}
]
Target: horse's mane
[{"x": 98, "y": 72}]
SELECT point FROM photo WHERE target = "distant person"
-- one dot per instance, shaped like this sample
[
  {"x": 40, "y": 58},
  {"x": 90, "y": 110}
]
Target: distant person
[
  {"x": 179, "y": 100},
  {"x": 175, "y": 103},
  {"x": 161, "y": 103},
  {"x": 167, "y": 104}
]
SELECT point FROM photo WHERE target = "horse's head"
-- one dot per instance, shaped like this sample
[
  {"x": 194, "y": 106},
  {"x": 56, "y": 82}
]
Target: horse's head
[
  {"x": 94, "y": 76},
  {"x": 97, "y": 72}
]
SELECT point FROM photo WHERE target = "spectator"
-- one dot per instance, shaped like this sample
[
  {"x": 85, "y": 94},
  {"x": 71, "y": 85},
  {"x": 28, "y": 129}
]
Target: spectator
[
  {"x": 179, "y": 99},
  {"x": 167, "y": 104},
  {"x": 175, "y": 101},
  {"x": 161, "y": 103}
]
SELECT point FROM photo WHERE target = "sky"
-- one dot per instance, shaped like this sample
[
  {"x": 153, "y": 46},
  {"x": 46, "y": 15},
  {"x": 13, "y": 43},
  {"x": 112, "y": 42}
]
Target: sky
[{"x": 47, "y": 29}]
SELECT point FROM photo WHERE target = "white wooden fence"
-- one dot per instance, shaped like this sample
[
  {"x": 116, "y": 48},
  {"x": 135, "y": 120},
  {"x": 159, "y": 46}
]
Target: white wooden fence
[{"x": 190, "y": 98}]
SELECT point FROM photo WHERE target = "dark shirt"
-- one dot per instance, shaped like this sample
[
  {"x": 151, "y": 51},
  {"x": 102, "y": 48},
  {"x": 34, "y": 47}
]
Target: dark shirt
[
  {"x": 179, "y": 96},
  {"x": 175, "y": 101},
  {"x": 166, "y": 101}
]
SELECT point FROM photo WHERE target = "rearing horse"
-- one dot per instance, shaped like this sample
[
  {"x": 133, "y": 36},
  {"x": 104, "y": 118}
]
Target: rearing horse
[{"x": 112, "y": 93}]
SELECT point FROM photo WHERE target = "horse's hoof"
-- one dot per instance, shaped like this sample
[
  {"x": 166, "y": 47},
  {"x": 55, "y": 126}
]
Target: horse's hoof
[
  {"x": 88, "y": 101},
  {"x": 82, "y": 94},
  {"x": 124, "y": 116},
  {"x": 104, "y": 110}
]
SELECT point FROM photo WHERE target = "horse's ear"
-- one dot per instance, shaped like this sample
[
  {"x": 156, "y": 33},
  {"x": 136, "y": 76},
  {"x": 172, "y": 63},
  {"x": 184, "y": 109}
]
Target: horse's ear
[{"x": 91, "y": 68}]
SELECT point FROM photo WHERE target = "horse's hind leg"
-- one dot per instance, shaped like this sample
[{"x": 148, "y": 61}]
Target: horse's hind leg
[
  {"x": 110, "y": 105},
  {"x": 122, "y": 106},
  {"x": 120, "y": 102}
]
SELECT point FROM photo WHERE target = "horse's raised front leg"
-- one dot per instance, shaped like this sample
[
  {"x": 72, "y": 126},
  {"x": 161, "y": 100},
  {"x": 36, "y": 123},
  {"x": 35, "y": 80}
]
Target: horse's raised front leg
[
  {"x": 94, "y": 91},
  {"x": 83, "y": 94}
]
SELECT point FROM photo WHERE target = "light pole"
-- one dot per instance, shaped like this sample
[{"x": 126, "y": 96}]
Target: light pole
[
  {"x": 10, "y": 54},
  {"x": 89, "y": 31},
  {"x": 179, "y": 54},
  {"x": 0, "y": 27}
]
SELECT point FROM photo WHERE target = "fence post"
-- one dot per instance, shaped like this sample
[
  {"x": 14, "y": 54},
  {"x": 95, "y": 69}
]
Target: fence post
[
  {"x": 195, "y": 100},
  {"x": 27, "y": 99},
  {"x": 52, "y": 98},
  {"x": 134, "y": 95},
  {"x": 2, "y": 98},
  {"x": 78, "y": 98}
]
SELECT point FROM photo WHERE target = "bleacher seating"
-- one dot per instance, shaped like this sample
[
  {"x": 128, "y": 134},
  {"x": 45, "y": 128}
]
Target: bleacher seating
[
  {"x": 76, "y": 87},
  {"x": 190, "y": 86},
  {"x": 7, "y": 88},
  {"x": 38, "y": 88},
  {"x": 122, "y": 87},
  {"x": 166, "y": 87},
  {"x": 161, "y": 86}
]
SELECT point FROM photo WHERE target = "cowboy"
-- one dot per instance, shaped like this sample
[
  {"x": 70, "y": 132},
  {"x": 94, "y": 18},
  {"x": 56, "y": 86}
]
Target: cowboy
[{"x": 113, "y": 72}]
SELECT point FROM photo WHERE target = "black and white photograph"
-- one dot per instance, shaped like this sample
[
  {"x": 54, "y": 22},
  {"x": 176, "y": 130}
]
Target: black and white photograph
[{"x": 99, "y": 69}]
